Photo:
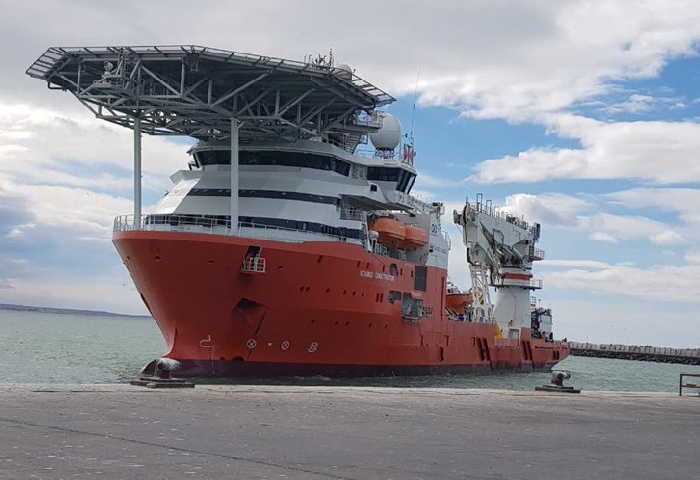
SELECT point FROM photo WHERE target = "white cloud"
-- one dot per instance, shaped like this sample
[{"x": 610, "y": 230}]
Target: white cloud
[
  {"x": 602, "y": 237},
  {"x": 684, "y": 201},
  {"x": 617, "y": 228},
  {"x": 626, "y": 321},
  {"x": 42, "y": 146},
  {"x": 573, "y": 263},
  {"x": 553, "y": 209},
  {"x": 634, "y": 104},
  {"x": 637, "y": 103},
  {"x": 89, "y": 213},
  {"x": 574, "y": 213},
  {"x": 423, "y": 180},
  {"x": 667, "y": 237},
  {"x": 667, "y": 283},
  {"x": 110, "y": 290},
  {"x": 654, "y": 151}
]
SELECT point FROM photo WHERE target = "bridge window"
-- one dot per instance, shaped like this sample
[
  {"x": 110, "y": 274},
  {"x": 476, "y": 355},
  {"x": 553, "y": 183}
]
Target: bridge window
[
  {"x": 287, "y": 159},
  {"x": 383, "y": 174},
  {"x": 403, "y": 178}
]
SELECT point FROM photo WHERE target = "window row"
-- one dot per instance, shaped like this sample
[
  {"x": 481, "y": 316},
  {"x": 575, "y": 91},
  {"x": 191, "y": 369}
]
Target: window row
[
  {"x": 403, "y": 178},
  {"x": 225, "y": 192},
  {"x": 272, "y": 157}
]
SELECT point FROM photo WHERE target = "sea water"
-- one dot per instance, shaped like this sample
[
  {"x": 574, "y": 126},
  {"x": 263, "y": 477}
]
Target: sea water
[{"x": 38, "y": 347}]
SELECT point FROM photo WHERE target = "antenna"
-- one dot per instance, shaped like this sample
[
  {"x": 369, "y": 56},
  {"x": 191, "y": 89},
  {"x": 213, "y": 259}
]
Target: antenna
[{"x": 415, "y": 99}]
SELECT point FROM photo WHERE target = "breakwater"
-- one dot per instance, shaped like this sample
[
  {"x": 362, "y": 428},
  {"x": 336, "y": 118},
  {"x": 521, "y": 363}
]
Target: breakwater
[{"x": 688, "y": 356}]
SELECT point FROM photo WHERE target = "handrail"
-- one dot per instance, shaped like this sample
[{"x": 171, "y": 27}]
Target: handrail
[
  {"x": 500, "y": 213},
  {"x": 47, "y": 61},
  {"x": 253, "y": 265},
  {"x": 352, "y": 214},
  {"x": 682, "y": 385},
  {"x": 208, "y": 225}
]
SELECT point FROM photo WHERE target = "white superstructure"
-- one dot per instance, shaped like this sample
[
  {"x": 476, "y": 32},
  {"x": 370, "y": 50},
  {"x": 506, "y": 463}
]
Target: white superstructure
[{"x": 305, "y": 190}]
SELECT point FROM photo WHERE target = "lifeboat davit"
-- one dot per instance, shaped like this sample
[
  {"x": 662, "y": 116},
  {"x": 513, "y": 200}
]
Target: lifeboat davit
[
  {"x": 391, "y": 232},
  {"x": 415, "y": 237},
  {"x": 458, "y": 302}
]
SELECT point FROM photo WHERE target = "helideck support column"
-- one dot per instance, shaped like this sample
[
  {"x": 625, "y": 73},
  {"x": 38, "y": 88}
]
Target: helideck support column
[
  {"x": 235, "y": 125},
  {"x": 137, "y": 173}
]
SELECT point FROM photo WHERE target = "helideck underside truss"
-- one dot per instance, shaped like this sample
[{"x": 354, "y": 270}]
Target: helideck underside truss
[{"x": 197, "y": 91}]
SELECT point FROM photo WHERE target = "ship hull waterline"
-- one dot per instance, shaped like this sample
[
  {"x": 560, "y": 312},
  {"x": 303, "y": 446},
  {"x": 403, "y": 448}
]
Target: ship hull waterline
[{"x": 320, "y": 308}]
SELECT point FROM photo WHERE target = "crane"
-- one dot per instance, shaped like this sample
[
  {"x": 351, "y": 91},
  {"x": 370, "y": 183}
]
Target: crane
[{"x": 500, "y": 251}]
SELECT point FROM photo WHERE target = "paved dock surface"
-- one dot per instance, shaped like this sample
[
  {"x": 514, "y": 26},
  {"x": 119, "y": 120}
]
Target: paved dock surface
[{"x": 257, "y": 432}]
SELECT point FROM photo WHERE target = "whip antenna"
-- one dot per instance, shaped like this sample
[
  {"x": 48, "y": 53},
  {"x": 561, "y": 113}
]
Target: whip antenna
[{"x": 415, "y": 99}]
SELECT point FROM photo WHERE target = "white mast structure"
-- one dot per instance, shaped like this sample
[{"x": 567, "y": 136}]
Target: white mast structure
[{"x": 500, "y": 252}]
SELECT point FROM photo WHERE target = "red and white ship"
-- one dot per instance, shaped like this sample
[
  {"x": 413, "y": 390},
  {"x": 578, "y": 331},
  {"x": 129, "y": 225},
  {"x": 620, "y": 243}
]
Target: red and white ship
[{"x": 286, "y": 249}]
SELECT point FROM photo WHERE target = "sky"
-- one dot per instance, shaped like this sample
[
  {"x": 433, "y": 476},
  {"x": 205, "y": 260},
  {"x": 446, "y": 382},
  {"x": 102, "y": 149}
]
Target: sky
[{"x": 581, "y": 115}]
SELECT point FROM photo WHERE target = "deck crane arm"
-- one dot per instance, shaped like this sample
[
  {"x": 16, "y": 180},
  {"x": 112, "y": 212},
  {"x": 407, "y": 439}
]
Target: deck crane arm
[{"x": 500, "y": 251}]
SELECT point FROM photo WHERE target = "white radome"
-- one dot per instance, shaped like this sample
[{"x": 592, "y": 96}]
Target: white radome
[
  {"x": 343, "y": 71},
  {"x": 389, "y": 136}
]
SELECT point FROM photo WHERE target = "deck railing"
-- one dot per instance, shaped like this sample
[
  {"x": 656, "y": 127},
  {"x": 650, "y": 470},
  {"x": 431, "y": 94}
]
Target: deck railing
[
  {"x": 352, "y": 214},
  {"x": 253, "y": 265},
  {"x": 216, "y": 226}
]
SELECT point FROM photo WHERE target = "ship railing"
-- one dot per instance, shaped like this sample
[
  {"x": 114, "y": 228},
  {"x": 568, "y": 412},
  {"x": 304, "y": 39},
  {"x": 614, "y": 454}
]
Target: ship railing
[
  {"x": 369, "y": 121},
  {"x": 352, "y": 214},
  {"x": 253, "y": 265},
  {"x": 380, "y": 249},
  {"x": 488, "y": 208},
  {"x": 534, "y": 283},
  {"x": 397, "y": 155},
  {"x": 349, "y": 143},
  {"x": 538, "y": 254},
  {"x": 216, "y": 226},
  {"x": 55, "y": 55}
]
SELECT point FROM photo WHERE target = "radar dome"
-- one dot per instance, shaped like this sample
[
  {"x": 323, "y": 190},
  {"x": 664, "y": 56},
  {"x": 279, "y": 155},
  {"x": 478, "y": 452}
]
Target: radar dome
[
  {"x": 389, "y": 136},
  {"x": 343, "y": 71}
]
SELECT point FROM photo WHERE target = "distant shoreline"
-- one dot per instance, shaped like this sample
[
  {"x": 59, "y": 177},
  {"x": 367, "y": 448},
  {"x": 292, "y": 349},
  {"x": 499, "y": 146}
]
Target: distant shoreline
[{"x": 64, "y": 311}]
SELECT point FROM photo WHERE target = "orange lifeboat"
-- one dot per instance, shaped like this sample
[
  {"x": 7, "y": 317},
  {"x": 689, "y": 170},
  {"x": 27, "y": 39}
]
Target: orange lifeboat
[
  {"x": 458, "y": 302},
  {"x": 415, "y": 237},
  {"x": 391, "y": 232}
]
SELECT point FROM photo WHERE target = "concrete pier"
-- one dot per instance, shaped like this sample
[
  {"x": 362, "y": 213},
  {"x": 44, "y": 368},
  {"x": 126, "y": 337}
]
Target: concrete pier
[
  {"x": 260, "y": 432},
  {"x": 687, "y": 356}
]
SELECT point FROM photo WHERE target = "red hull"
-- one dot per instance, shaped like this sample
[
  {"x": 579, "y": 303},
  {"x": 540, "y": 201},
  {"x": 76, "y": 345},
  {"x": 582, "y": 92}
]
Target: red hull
[{"x": 316, "y": 309}]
